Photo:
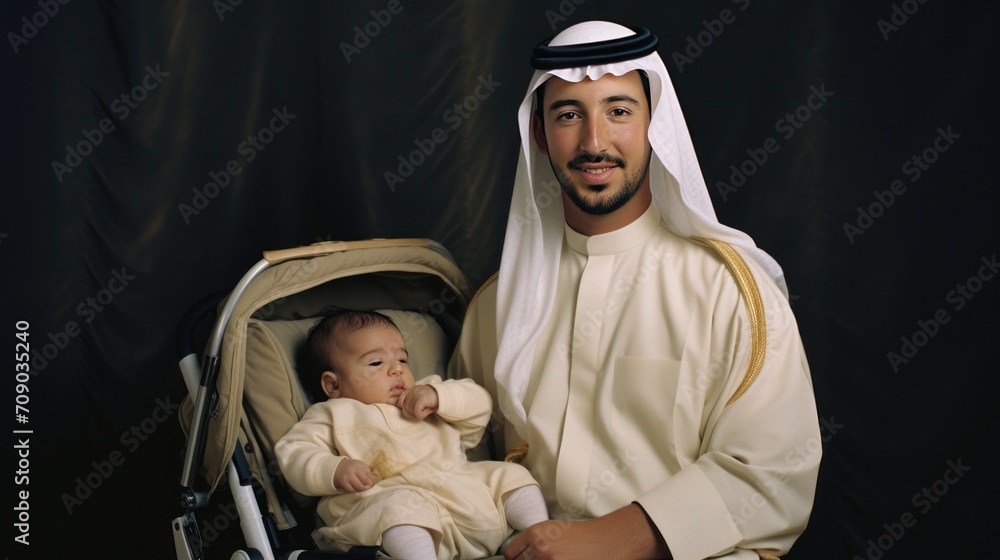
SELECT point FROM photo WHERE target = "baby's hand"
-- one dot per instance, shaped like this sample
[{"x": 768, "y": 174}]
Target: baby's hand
[
  {"x": 352, "y": 476},
  {"x": 418, "y": 401}
]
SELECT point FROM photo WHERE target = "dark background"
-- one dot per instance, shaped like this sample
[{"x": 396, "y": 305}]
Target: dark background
[{"x": 892, "y": 431}]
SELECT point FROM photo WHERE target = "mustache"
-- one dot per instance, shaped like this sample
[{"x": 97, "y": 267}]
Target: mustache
[{"x": 599, "y": 158}]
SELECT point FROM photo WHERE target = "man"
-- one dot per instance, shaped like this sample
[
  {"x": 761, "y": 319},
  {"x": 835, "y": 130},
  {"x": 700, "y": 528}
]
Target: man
[{"x": 644, "y": 353}]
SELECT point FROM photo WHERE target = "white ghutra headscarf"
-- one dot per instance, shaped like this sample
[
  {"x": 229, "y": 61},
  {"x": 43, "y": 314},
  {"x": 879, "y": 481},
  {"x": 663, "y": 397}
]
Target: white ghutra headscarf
[{"x": 535, "y": 227}]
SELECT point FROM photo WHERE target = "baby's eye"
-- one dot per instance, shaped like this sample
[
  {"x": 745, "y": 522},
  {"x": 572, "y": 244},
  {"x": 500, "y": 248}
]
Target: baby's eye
[{"x": 376, "y": 363}]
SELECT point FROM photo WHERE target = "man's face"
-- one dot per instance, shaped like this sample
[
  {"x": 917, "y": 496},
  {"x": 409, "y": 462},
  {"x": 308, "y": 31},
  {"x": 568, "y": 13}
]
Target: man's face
[
  {"x": 595, "y": 134},
  {"x": 370, "y": 366}
]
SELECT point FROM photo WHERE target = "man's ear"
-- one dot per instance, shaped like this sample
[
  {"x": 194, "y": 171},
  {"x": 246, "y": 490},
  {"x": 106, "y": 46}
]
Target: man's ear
[
  {"x": 331, "y": 384},
  {"x": 538, "y": 130}
]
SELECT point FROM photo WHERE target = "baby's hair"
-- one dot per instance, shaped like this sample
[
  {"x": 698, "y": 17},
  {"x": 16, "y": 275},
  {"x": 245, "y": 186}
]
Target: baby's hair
[{"x": 336, "y": 324}]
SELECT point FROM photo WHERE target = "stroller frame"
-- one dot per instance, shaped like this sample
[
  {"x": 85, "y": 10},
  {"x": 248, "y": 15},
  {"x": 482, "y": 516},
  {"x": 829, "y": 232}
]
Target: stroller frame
[{"x": 260, "y": 531}]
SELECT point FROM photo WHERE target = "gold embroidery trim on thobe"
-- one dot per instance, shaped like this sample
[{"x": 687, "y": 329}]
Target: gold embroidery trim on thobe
[
  {"x": 485, "y": 285},
  {"x": 517, "y": 454},
  {"x": 754, "y": 304}
]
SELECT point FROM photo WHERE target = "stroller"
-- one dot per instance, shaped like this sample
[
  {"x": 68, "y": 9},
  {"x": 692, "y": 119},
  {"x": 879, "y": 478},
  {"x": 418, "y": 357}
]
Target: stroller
[{"x": 244, "y": 393}]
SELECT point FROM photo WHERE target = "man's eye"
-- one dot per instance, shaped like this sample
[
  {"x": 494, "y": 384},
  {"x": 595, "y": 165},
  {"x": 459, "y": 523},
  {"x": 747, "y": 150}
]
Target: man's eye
[
  {"x": 619, "y": 112},
  {"x": 569, "y": 115}
]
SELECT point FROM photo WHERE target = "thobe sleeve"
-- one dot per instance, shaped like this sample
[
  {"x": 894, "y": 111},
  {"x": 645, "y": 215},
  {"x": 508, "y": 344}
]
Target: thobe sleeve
[
  {"x": 307, "y": 454},
  {"x": 752, "y": 485}
]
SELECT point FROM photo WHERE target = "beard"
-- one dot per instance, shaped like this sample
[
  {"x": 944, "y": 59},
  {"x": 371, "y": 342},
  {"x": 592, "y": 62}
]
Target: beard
[{"x": 603, "y": 203}]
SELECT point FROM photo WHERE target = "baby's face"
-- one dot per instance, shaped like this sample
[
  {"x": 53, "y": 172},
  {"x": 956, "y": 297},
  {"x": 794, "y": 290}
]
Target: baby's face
[{"x": 372, "y": 365}]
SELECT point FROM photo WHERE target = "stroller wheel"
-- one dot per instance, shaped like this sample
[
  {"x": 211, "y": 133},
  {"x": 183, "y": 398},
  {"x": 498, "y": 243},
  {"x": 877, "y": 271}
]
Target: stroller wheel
[{"x": 249, "y": 554}]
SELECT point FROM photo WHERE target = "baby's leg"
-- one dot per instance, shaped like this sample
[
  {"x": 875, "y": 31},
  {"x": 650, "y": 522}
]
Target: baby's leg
[
  {"x": 409, "y": 542},
  {"x": 525, "y": 507}
]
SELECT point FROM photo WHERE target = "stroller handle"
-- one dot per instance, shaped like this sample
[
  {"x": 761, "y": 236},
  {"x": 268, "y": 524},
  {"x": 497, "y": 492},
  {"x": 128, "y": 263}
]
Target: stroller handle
[{"x": 327, "y": 247}]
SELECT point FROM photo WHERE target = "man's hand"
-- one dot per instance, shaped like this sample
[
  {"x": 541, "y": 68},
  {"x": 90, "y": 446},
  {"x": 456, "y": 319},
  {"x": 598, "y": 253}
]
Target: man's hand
[
  {"x": 352, "y": 476},
  {"x": 625, "y": 533},
  {"x": 418, "y": 401}
]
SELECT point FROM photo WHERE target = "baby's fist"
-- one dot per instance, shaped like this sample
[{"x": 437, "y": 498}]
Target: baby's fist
[
  {"x": 352, "y": 476},
  {"x": 418, "y": 401}
]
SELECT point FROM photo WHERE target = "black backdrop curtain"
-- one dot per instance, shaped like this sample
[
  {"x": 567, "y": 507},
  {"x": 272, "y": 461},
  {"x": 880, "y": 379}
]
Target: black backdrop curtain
[{"x": 154, "y": 149}]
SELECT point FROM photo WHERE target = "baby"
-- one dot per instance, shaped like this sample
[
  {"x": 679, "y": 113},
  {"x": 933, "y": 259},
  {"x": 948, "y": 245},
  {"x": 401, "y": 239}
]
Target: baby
[{"x": 388, "y": 454}]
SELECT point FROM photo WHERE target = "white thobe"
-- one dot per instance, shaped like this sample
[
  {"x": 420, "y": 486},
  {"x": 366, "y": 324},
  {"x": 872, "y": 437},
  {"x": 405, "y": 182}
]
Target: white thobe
[{"x": 647, "y": 340}]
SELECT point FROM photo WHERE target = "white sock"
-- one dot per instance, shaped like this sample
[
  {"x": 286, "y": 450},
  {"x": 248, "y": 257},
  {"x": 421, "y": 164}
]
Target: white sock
[
  {"x": 409, "y": 542},
  {"x": 525, "y": 507}
]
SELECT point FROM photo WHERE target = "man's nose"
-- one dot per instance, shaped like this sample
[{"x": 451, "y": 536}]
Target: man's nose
[{"x": 594, "y": 138}]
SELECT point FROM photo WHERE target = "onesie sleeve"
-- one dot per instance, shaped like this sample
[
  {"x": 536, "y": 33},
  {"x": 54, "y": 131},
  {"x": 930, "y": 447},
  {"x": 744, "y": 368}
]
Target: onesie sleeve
[
  {"x": 466, "y": 406},
  {"x": 307, "y": 454}
]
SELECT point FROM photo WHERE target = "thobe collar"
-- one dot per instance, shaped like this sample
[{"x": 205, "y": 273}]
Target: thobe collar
[{"x": 618, "y": 240}]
